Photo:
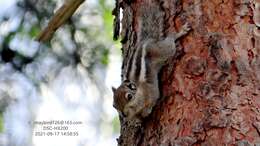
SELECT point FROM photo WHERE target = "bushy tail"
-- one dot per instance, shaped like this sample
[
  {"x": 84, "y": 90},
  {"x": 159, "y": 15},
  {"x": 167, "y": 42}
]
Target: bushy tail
[{"x": 151, "y": 22}]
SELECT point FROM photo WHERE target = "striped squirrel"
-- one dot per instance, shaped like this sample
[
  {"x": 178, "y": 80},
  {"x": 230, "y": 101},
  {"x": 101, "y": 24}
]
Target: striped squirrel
[{"x": 139, "y": 91}]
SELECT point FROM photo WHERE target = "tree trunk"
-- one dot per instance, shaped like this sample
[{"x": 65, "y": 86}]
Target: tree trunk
[{"x": 210, "y": 88}]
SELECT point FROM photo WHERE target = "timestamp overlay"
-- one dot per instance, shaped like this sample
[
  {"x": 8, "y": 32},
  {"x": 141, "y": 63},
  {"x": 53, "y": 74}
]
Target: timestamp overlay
[{"x": 56, "y": 128}]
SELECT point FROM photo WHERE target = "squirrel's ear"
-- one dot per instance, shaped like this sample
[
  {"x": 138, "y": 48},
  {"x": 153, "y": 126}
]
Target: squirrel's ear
[{"x": 113, "y": 89}]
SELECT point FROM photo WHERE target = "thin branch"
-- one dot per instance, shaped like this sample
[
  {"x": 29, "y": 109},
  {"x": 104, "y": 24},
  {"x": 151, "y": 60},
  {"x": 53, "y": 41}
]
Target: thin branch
[{"x": 59, "y": 18}]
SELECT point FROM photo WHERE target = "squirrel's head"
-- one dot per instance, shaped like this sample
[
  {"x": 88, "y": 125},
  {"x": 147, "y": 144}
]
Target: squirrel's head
[{"x": 123, "y": 95}]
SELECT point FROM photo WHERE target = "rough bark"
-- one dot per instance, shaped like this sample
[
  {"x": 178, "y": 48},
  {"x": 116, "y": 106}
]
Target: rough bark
[{"x": 210, "y": 89}]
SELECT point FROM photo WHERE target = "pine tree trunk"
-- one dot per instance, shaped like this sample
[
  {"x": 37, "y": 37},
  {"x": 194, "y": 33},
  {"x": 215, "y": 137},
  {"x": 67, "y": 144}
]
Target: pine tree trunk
[{"x": 210, "y": 89}]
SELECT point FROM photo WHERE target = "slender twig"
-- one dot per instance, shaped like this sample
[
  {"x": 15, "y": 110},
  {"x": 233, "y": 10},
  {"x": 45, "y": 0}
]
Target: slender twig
[{"x": 59, "y": 18}]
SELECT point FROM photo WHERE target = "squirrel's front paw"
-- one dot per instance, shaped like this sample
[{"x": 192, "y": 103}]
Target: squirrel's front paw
[{"x": 186, "y": 27}]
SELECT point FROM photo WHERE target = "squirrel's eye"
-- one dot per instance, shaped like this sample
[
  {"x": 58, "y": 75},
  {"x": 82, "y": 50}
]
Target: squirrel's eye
[{"x": 129, "y": 96}]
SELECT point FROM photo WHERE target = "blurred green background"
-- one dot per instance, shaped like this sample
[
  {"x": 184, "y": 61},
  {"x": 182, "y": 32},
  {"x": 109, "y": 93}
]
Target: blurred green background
[{"x": 68, "y": 78}]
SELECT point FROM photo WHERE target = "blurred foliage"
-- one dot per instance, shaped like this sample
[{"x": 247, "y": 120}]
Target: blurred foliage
[
  {"x": 116, "y": 124},
  {"x": 86, "y": 40},
  {"x": 79, "y": 41},
  {"x": 1, "y": 122}
]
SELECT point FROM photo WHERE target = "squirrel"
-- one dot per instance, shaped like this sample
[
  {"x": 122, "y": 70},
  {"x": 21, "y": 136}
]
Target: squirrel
[{"x": 139, "y": 90}]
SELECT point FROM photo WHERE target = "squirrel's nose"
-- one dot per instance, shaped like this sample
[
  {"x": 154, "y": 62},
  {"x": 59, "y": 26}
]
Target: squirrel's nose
[{"x": 123, "y": 114}]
